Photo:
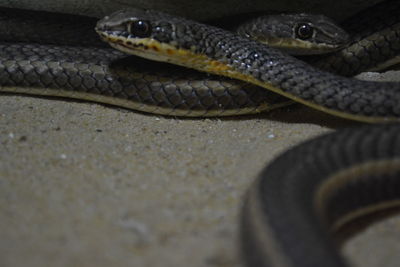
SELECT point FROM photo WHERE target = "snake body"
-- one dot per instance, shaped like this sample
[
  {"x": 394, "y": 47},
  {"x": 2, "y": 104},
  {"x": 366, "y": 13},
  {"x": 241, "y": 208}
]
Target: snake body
[
  {"x": 375, "y": 42},
  {"x": 102, "y": 75},
  {"x": 289, "y": 211},
  {"x": 214, "y": 50}
]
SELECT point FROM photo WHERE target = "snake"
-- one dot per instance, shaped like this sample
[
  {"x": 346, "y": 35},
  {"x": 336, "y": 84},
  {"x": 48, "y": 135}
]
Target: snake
[
  {"x": 162, "y": 37},
  {"x": 290, "y": 212},
  {"x": 49, "y": 57}
]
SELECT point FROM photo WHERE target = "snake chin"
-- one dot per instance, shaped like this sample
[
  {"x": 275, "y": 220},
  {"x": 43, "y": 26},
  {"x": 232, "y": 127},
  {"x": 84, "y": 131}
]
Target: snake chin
[
  {"x": 142, "y": 47},
  {"x": 142, "y": 52}
]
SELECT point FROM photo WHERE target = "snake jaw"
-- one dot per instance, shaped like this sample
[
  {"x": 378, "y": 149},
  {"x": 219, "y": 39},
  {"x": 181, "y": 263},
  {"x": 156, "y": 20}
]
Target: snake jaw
[
  {"x": 282, "y": 31},
  {"x": 299, "y": 47},
  {"x": 144, "y": 47}
]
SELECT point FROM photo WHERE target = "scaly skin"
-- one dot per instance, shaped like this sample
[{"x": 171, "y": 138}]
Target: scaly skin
[
  {"x": 375, "y": 43},
  {"x": 301, "y": 198},
  {"x": 107, "y": 76},
  {"x": 214, "y": 50}
]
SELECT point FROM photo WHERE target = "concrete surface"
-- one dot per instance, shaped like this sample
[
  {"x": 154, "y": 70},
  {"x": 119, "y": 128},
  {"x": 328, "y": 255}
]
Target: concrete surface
[{"x": 83, "y": 184}]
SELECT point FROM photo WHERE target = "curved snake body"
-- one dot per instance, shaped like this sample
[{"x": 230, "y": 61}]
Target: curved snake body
[
  {"x": 105, "y": 76},
  {"x": 217, "y": 51},
  {"x": 291, "y": 212},
  {"x": 375, "y": 43}
]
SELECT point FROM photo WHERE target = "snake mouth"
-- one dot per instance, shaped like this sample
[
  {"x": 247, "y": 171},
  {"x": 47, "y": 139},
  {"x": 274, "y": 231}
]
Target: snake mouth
[
  {"x": 299, "y": 47},
  {"x": 144, "y": 47},
  {"x": 152, "y": 49}
]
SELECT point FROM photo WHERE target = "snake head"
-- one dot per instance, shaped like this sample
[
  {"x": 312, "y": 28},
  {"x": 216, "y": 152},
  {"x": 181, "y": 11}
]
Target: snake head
[
  {"x": 298, "y": 34},
  {"x": 149, "y": 34}
]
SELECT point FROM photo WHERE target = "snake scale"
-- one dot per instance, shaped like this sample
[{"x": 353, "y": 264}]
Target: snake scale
[{"x": 290, "y": 211}]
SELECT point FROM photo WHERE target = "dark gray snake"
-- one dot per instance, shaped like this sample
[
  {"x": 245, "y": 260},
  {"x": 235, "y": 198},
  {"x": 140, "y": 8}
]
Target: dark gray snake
[{"x": 304, "y": 193}]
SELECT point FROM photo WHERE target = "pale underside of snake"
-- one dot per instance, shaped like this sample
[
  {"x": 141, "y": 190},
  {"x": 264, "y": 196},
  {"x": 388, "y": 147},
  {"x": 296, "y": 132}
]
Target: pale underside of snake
[{"x": 305, "y": 193}]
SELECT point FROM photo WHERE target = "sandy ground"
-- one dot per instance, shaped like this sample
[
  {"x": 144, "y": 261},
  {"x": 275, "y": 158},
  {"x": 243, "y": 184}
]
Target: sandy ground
[{"x": 83, "y": 184}]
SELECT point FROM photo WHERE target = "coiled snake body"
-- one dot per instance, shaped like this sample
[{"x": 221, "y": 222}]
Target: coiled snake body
[{"x": 290, "y": 209}]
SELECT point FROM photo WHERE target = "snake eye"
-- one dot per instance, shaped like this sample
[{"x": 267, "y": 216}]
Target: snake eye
[
  {"x": 304, "y": 31},
  {"x": 139, "y": 28}
]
